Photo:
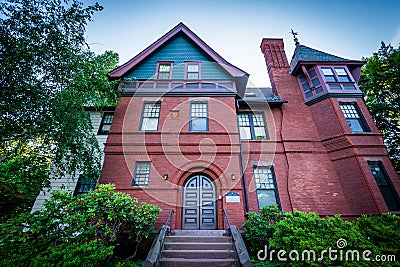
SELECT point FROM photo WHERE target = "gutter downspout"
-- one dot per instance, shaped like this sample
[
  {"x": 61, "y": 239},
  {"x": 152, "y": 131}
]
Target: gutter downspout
[{"x": 246, "y": 196}]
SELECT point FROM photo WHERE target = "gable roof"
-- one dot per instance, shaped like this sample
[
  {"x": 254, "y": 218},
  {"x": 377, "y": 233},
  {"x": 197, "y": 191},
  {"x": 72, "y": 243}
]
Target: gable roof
[
  {"x": 305, "y": 54},
  {"x": 180, "y": 28}
]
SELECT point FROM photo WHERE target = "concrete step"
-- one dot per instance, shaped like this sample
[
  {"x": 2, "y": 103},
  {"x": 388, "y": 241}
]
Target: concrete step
[
  {"x": 197, "y": 246},
  {"x": 198, "y": 239},
  {"x": 198, "y": 254},
  {"x": 181, "y": 262}
]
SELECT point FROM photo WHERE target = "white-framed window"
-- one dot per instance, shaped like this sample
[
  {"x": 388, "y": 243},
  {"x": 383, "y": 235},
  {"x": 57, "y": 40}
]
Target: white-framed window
[
  {"x": 150, "y": 116},
  {"x": 164, "y": 70},
  {"x": 198, "y": 117},
  {"x": 192, "y": 71}
]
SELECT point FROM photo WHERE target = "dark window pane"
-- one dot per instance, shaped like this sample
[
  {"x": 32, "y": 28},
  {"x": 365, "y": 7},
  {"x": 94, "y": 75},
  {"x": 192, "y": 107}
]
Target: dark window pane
[
  {"x": 312, "y": 74},
  {"x": 303, "y": 78},
  {"x": 344, "y": 79},
  {"x": 192, "y": 85},
  {"x": 306, "y": 87},
  {"x": 335, "y": 87},
  {"x": 208, "y": 85},
  {"x": 382, "y": 180},
  {"x": 309, "y": 94},
  {"x": 162, "y": 85},
  {"x": 349, "y": 87},
  {"x": 389, "y": 198},
  {"x": 85, "y": 184},
  {"x": 142, "y": 173},
  {"x": 318, "y": 90},
  {"x": 316, "y": 82},
  {"x": 330, "y": 78}
]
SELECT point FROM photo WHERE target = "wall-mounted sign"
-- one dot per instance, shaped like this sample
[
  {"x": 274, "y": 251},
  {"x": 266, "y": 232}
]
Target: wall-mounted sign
[{"x": 232, "y": 197}]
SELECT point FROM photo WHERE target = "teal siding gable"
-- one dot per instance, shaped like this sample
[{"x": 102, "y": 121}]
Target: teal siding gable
[{"x": 179, "y": 50}]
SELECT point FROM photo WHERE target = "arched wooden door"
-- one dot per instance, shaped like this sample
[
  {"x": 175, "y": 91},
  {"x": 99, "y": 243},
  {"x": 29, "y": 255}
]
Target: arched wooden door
[{"x": 199, "y": 209}]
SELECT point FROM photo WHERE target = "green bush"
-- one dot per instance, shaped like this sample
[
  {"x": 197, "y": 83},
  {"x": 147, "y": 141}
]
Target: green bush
[
  {"x": 258, "y": 228},
  {"x": 75, "y": 231},
  {"x": 308, "y": 231},
  {"x": 383, "y": 231}
]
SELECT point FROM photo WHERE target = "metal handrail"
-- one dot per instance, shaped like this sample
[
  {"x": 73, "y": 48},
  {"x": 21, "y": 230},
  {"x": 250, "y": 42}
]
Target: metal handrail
[
  {"x": 164, "y": 231},
  {"x": 241, "y": 255},
  {"x": 166, "y": 225},
  {"x": 154, "y": 255},
  {"x": 229, "y": 231}
]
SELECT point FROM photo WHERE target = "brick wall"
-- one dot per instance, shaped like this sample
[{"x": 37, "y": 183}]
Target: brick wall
[{"x": 320, "y": 164}]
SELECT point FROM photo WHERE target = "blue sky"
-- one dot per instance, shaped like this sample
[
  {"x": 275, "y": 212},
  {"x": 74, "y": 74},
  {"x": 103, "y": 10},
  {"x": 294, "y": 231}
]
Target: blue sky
[{"x": 234, "y": 29}]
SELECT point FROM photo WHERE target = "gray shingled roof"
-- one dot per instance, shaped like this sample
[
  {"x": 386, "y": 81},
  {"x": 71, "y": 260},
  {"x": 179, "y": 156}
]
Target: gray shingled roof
[
  {"x": 303, "y": 53},
  {"x": 262, "y": 94}
]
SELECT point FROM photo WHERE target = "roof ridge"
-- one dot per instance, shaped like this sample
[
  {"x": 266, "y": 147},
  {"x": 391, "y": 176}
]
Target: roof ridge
[
  {"x": 180, "y": 27},
  {"x": 303, "y": 53}
]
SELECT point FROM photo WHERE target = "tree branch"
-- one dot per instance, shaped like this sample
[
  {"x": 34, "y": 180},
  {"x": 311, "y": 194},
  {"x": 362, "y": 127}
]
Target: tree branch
[{"x": 6, "y": 139}]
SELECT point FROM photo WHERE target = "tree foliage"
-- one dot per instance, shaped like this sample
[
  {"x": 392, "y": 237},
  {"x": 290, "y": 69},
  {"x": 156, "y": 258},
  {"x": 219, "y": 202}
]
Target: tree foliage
[
  {"x": 47, "y": 76},
  {"x": 75, "y": 230},
  {"x": 380, "y": 81}
]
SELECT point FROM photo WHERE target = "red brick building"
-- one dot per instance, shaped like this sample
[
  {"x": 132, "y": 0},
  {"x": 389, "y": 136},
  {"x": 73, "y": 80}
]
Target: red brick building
[{"x": 190, "y": 136}]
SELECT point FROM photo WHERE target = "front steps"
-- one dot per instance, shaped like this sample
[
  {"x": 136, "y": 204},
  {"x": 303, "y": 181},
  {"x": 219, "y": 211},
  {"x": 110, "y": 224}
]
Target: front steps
[{"x": 198, "y": 248}]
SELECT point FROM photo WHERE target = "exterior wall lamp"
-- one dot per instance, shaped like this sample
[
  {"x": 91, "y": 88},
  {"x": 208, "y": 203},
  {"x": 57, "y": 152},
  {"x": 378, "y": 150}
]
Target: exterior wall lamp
[
  {"x": 233, "y": 176},
  {"x": 165, "y": 176}
]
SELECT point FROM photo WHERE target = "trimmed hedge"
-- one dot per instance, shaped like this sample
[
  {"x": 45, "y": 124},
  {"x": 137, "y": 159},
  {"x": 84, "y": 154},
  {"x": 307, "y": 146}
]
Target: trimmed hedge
[{"x": 334, "y": 241}]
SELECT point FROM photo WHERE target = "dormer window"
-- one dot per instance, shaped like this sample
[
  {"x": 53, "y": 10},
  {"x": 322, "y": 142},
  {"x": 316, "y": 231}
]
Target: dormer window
[
  {"x": 310, "y": 83},
  {"x": 164, "y": 71},
  {"x": 338, "y": 78}
]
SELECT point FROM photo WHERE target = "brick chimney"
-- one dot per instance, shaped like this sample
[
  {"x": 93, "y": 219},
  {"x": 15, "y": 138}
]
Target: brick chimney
[{"x": 275, "y": 58}]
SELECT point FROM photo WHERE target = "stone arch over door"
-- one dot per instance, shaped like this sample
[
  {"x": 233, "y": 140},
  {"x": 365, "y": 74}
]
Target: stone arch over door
[{"x": 199, "y": 203}]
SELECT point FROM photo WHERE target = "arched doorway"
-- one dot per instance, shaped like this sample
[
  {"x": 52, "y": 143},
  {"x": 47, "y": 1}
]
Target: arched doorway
[{"x": 199, "y": 209}]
